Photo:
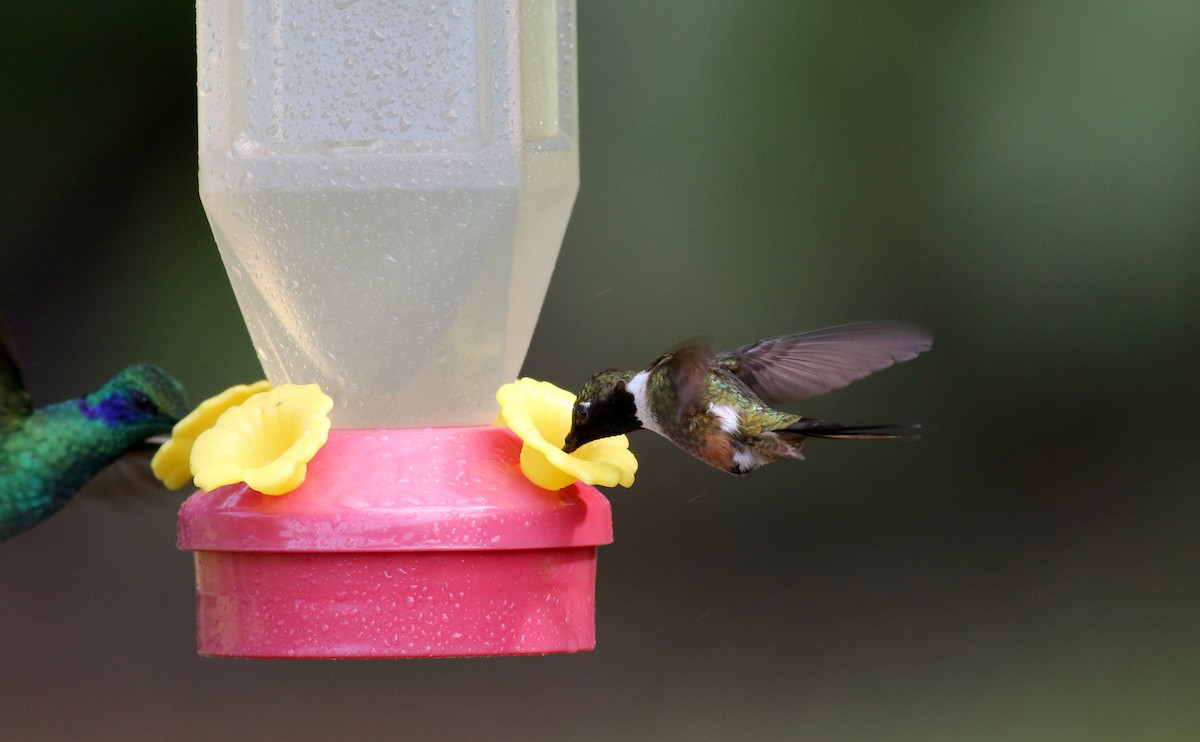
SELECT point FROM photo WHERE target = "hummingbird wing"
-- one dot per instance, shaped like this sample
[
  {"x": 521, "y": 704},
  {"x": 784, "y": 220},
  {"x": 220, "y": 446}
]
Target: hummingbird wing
[
  {"x": 688, "y": 367},
  {"x": 15, "y": 404},
  {"x": 794, "y": 367},
  {"x": 126, "y": 483}
]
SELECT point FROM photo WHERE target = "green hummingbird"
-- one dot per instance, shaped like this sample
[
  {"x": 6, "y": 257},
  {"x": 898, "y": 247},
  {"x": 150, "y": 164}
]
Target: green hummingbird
[
  {"x": 719, "y": 406},
  {"x": 47, "y": 455}
]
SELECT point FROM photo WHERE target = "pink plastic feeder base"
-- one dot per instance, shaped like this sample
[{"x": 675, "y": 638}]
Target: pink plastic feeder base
[
  {"x": 400, "y": 543},
  {"x": 420, "y": 604}
]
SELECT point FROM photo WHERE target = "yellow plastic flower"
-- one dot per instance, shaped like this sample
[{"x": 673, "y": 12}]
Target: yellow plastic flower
[
  {"x": 540, "y": 413},
  {"x": 170, "y": 462},
  {"x": 266, "y": 442}
]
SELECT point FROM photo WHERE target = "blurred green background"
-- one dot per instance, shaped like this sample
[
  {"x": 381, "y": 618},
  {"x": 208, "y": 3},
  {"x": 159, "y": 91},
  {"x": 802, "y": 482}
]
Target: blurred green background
[{"x": 1023, "y": 177}]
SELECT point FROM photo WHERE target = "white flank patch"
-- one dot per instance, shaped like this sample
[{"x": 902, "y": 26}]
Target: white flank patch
[
  {"x": 637, "y": 387},
  {"x": 745, "y": 460},
  {"x": 727, "y": 415}
]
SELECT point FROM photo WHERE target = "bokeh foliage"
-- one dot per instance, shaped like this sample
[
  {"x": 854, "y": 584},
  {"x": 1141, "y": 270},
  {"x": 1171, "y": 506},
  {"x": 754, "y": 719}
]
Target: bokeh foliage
[{"x": 1021, "y": 176}]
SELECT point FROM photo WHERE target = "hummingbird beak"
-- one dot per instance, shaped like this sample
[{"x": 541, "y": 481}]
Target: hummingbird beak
[{"x": 571, "y": 443}]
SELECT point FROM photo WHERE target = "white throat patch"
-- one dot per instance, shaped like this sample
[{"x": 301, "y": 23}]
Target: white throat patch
[{"x": 637, "y": 387}]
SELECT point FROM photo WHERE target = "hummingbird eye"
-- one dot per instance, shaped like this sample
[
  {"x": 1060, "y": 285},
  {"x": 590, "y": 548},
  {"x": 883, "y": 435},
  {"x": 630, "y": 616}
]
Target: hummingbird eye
[
  {"x": 582, "y": 409},
  {"x": 141, "y": 401}
]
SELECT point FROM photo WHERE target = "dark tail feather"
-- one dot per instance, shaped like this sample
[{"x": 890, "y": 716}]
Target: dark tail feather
[{"x": 886, "y": 432}]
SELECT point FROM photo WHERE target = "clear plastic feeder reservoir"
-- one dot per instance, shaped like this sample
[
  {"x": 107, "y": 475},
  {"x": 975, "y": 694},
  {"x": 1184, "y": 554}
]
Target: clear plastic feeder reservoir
[{"x": 388, "y": 183}]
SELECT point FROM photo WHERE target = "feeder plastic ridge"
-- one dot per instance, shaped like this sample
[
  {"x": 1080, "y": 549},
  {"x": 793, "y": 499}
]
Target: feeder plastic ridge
[{"x": 400, "y": 543}]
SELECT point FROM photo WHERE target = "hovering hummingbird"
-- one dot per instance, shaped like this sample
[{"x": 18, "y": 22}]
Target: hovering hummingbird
[
  {"x": 46, "y": 455},
  {"x": 718, "y": 406}
]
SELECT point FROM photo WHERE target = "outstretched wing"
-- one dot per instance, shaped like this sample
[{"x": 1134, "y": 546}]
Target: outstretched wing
[
  {"x": 793, "y": 367},
  {"x": 15, "y": 404}
]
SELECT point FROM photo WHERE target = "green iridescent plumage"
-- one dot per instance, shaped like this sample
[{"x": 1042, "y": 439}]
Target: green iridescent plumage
[{"x": 46, "y": 455}]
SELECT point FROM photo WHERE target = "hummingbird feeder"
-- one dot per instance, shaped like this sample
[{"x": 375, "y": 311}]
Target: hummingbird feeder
[{"x": 389, "y": 184}]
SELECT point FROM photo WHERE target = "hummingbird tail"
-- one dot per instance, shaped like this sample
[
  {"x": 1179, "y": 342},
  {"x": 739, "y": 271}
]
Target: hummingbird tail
[{"x": 885, "y": 432}]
